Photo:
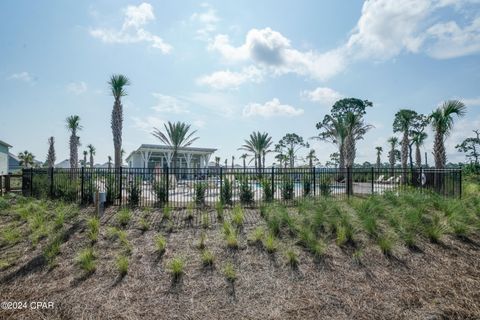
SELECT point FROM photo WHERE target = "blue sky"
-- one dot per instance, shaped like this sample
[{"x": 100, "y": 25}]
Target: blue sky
[{"x": 230, "y": 68}]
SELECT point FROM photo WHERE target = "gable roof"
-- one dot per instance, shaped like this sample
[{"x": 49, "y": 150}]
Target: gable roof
[{"x": 5, "y": 144}]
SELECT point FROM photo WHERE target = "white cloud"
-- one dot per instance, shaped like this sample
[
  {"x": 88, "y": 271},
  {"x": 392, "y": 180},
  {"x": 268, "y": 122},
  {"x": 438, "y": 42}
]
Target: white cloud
[
  {"x": 207, "y": 21},
  {"x": 147, "y": 124},
  {"x": 270, "y": 108},
  {"x": 77, "y": 87},
  {"x": 325, "y": 96},
  {"x": 22, "y": 76},
  {"x": 271, "y": 50},
  {"x": 472, "y": 102},
  {"x": 169, "y": 104},
  {"x": 451, "y": 40},
  {"x": 385, "y": 29},
  {"x": 132, "y": 31},
  {"x": 388, "y": 27},
  {"x": 228, "y": 79},
  {"x": 199, "y": 123}
]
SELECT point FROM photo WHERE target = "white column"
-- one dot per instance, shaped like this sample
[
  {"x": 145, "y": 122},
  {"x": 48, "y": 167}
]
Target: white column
[
  {"x": 146, "y": 156},
  {"x": 188, "y": 159},
  {"x": 207, "y": 159},
  {"x": 168, "y": 157}
]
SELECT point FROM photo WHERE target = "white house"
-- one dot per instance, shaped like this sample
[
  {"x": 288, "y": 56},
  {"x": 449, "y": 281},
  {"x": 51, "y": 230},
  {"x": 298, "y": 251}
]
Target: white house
[
  {"x": 4, "y": 157},
  {"x": 152, "y": 156}
]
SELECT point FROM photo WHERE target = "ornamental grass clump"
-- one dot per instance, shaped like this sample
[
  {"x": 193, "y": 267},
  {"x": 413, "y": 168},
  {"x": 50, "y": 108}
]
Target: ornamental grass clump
[
  {"x": 124, "y": 216},
  {"x": 160, "y": 244},
  {"x": 292, "y": 258},
  {"x": 176, "y": 267},
  {"x": 86, "y": 260},
  {"x": 207, "y": 258},
  {"x": 229, "y": 272}
]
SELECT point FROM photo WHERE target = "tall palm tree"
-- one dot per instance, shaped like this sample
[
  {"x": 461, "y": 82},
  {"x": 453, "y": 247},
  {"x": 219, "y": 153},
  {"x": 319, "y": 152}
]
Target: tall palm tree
[
  {"x": 177, "y": 135},
  {"x": 393, "y": 153},
  {"x": 244, "y": 158},
  {"x": 91, "y": 151},
  {"x": 117, "y": 86},
  {"x": 109, "y": 162},
  {"x": 51, "y": 153},
  {"x": 355, "y": 130},
  {"x": 379, "y": 153},
  {"x": 26, "y": 159},
  {"x": 73, "y": 125},
  {"x": 334, "y": 130},
  {"x": 258, "y": 144},
  {"x": 311, "y": 157},
  {"x": 84, "y": 162},
  {"x": 403, "y": 122},
  {"x": 418, "y": 139},
  {"x": 442, "y": 123}
]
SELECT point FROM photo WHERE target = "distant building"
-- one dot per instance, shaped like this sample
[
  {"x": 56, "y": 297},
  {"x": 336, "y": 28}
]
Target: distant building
[
  {"x": 152, "y": 155},
  {"x": 4, "y": 157},
  {"x": 65, "y": 164},
  {"x": 13, "y": 163}
]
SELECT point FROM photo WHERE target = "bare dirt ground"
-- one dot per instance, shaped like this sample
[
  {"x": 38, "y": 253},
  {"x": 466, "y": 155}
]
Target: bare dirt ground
[{"x": 437, "y": 281}]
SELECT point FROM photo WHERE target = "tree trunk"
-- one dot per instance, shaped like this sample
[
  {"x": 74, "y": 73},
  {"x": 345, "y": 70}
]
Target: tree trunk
[
  {"x": 341, "y": 157},
  {"x": 378, "y": 160},
  {"x": 349, "y": 151},
  {"x": 439, "y": 151},
  {"x": 418, "y": 156},
  {"x": 117, "y": 124},
  {"x": 91, "y": 160},
  {"x": 74, "y": 150},
  {"x": 405, "y": 151}
]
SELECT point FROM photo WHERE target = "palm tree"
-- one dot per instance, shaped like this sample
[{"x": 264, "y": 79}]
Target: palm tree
[
  {"x": 258, "y": 144},
  {"x": 117, "y": 83},
  {"x": 379, "y": 153},
  {"x": 404, "y": 120},
  {"x": 393, "y": 153},
  {"x": 109, "y": 162},
  {"x": 51, "y": 153},
  {"x": 91, "y": 150},
  {"x": 73, "y": 125},
  {"x": 355, "y": 130},
  {"x": 84, "y": 161},
  {"x": 26, "y": 159},
  {"x": 177, "y": 135},
  {"x": 122, "y": 153},
  {"x": 311, "y": 157},
  {"x": 442, "y": 123},
  {"x": 233, "y": 160},
  {"x": 334, "y": 131},
  {"x": 244, "y": 158},
  {"x": 418, "y": 139}
]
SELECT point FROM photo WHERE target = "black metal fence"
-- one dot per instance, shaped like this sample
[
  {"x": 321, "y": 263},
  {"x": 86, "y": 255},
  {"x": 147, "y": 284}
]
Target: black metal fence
[{"x": 181, "y": 187}]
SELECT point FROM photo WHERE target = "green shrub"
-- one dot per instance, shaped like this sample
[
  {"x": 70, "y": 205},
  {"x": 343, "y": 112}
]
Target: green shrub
[
  {"x": 160, "y": 243},
  {"x": 287, "y": 188},
  {"x": 270, "y": 243},
  {"x": 267, "y": 190},
  {"x": 325, "y": 188},
  {"x": 143, "y": 224},
  {"x": 229, "y": 272},
  {"x": 226, "y": 194},
  {"x": 307, "y": 186},
  {"x": 200, "y": 189},
  {"x": 86, "y": 259},
  {"x": 232, "y": 240},
  {"x": 161, "y": 192},
  {"x": 207, "y": 258},
  {"x": 386, "y": 242},
  {"x": 257, "y": 235},
  {"x": 9, "y": 235},
  {"x": 246, "y": 193},
  {"x": 167, "y": 212},
  {"x": 52, "y": 250},
  {"x": 111, "y": 189},
  {"x": 237, "y": 216},
  {"x": 124, "y": 216},
  {"x": 201, "y": 243},
  {"x": 93, "y": 225},
  {"x": 176, "y": 266},
  {"x": 219, "y": 209},
  {"x": 134, "y": 194},
  {"x": 4, "y": 204},
  {"x": 122, "y": 264},
  {"x": 292, "y": 257},
  {"x": 205, "y": 220}
]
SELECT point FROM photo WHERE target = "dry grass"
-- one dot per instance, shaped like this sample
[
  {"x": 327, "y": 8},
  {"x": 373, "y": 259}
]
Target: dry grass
[{"x": 352, "y": 280}]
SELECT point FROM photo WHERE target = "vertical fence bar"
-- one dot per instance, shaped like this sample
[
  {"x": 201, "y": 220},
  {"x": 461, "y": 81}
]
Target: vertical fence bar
[
  {"x": 51, "y": 182},
  {"x": 31, "y": 182},
  {"x": 373, "y": 177},
  {"x": 120, "y": 178},
  {"x": 82, "y": 181},
  {"x": 273, "y": 182},
  {"x": 168, "y": 185}
]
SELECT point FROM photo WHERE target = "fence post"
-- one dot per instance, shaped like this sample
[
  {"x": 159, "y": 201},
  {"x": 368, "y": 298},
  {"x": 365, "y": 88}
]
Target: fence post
[
  {"x": 51, "y": 182},
  {"x": 273, "y": 182},
  {"x": 314, "y": 181},
  {"x": 168, "y": 184},
  {"x": 82, "y": 178},
  {"x": 1, "y": 185},
  {"x": 349, "y": 181},
  {"x": 460, "y": 181},
  {"x": 31, "y": 182},
  {"x": 221, "y": 184},
  {"x": 120, "y": 182},
  {"x": 373, "y": 186}
]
